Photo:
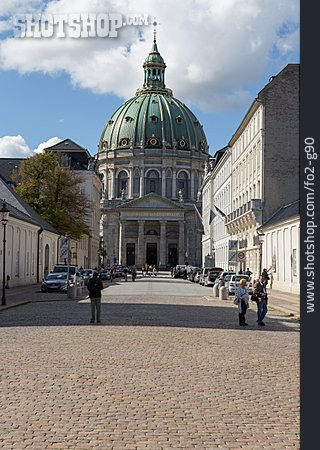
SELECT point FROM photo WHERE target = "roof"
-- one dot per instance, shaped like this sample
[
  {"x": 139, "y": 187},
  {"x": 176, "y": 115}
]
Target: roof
[
  {"x": 7, "y": 166},
  {"x": 153, "y": 119},
  {"x": 284, "y": 213},
  {"x": 71, "y": 154},
  {"x": 22, "y": 210}
]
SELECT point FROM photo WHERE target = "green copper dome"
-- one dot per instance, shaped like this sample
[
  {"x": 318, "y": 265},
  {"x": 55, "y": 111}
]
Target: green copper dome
[{"x": 154, "y": 118}]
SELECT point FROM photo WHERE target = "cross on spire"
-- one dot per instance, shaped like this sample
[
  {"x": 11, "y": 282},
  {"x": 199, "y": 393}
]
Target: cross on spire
[{"x": 155, "y": 23}]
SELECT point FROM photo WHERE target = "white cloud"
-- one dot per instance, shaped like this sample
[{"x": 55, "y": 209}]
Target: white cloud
[
  {"x": 16, "y": 146},
  {"x": 48, "y": 143},
  {"x": 212, "y": 49}
]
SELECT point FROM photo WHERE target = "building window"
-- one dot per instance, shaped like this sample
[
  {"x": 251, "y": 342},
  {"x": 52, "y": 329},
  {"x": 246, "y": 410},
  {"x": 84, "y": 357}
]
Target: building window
[
  {"x": 122, "y": 182},
  {"x": 182, "y": 183},
  {"x": 153, "y": 183}
]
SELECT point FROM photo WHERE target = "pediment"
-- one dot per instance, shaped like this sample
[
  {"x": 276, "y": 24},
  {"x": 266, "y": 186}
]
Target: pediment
[{"x": 151, "y": 201}]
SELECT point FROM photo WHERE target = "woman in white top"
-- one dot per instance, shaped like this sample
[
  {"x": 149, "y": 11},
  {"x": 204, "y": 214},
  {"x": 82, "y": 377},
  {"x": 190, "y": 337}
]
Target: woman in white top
[{"x": 243, "y": 301}]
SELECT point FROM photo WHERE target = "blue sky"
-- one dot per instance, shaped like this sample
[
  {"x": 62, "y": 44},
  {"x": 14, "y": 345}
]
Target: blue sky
[{"x": 69, "y": 90}]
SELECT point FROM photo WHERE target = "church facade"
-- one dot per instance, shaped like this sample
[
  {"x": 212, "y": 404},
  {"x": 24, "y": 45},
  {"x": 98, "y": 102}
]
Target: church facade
[{"x": 151, "y": 157}]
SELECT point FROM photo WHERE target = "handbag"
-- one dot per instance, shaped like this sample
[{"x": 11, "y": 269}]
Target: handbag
[
  {"x": 254, "y": 298},
  {"x": 236, "y": 301}
]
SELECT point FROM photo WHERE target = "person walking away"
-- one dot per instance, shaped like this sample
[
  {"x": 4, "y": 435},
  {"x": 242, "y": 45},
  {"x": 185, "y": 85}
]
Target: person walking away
[
  {"x": 125, "y": 273},
  {"x": 248, "y": 272},
  {"x": 154, "y": 271},
  {"x": 265, "y": 275},
  {"x": 134, "y": 273},
  {"x": 242, "y": 297},
  {"x": 95, "y": 287},
  {"x": 260, "y": 292},
  {"x": 271, "y": 279}
]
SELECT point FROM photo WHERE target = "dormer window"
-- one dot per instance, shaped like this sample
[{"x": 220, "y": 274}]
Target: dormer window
[
  {"x": 182, "y": 143},
  {"x": 129, "y": 119},
  {"x": 124, "y": 142},
  {"x": 196, "y": 123},
  {"x": 110, "y": 122},
  {"x": 154, "y": 141},
  {"x": 154, "y": 119},
  {"x": 179, "y": 119}
]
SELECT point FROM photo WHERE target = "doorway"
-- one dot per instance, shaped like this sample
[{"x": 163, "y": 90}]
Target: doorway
[
  {"x": 131, "y": 255},
  {"x": 173, "y": 254},
  {"x": 152, "y": 257}
]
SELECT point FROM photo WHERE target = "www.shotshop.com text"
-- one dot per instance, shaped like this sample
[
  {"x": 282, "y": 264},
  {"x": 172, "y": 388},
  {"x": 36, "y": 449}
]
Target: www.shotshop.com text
[{"x": 309, "y": 238}]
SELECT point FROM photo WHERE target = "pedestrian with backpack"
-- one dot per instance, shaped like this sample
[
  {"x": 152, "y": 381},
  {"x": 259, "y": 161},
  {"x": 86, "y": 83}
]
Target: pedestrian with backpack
[{"x": 95, "y": 287}]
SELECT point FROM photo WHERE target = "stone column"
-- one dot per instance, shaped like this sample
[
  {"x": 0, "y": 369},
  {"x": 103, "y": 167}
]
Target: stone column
[
  {"x": 141, "y": 182},
  {"x": 163, "y": 245},
  {"x": 181, "y": 242},
  {"x": 130, "y": 187},
  {"x": 174, "y": 184},
  {"x": 121, "y": 242},
  {"x": 113, "y": 184},
  {"x": 141, "y": 255},
  {"x": 192, "y": 186},
  {"x": 163, "y": 179}
]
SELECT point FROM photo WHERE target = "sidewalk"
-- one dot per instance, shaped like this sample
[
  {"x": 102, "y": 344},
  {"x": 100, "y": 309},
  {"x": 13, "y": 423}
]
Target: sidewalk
[
  {"x": 284, "y": 302},
  {"x": 22, "y": 295}
]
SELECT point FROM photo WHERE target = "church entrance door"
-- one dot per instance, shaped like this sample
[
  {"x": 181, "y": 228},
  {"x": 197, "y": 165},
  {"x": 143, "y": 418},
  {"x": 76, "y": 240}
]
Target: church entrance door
[
  {"x": 131, "y": 255},
  {"x": 152, "y": 256},
  {"x": 173, "y": 254}
]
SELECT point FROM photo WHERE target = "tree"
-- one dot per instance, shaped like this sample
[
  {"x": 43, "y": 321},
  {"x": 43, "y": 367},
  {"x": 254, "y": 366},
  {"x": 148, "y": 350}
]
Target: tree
[{"x": 54, "y": 192}]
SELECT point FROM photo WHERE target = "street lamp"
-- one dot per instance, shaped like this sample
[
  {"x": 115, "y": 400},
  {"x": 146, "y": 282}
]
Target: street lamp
[
  {"x": 4, "y": 217},
  {"x": 261, "y": 235}
]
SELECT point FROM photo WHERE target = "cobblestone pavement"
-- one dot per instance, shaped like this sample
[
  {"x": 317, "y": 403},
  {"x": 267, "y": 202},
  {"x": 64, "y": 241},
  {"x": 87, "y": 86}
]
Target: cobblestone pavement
[{"x": 165, "y": 369}]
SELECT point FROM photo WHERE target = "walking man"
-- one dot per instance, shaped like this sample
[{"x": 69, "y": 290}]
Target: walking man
[
  {"x": 95, "y": 287},
  {"x": 260, "y": 291}
]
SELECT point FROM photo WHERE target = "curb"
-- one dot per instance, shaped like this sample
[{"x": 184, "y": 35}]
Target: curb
[
  {"x": 284, "y": 310},
  {"x": 3, "y": 308}
]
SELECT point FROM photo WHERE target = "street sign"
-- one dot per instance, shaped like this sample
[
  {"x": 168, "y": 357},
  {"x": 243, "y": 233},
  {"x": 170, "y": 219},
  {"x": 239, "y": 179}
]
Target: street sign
[{"x": 241, "y": 256}]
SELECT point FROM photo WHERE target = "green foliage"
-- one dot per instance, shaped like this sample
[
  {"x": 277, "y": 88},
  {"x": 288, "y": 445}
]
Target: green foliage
[{"x": 54, "y": 192}]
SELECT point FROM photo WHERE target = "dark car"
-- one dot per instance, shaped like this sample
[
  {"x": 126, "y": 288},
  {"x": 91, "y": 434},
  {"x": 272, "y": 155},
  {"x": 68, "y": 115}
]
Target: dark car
[
  {"x": 55, "y": 282},
  {"x": 119, "y": 271},
  {"x": 104, "y": 274},
  {"x": 192, "y": 274}
]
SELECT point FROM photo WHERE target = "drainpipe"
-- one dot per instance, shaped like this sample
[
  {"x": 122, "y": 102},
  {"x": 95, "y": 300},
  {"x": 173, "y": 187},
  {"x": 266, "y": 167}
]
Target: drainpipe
[
  {"x": 38, "y": 254},
  {"x": 58, "y": 249}
]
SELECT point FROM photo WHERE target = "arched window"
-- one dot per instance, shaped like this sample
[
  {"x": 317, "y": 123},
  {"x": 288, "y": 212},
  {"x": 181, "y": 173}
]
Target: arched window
[
  {"x": 183, "y": 183},
  {"x": 122, "y": 183},
  {"x": 153, "y": 184}
]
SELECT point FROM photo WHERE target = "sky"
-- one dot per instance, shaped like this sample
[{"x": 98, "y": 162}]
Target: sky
[{"x": 219, "y": 55}]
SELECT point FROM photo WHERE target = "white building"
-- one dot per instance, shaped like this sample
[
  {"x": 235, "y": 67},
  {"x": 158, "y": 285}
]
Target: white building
[
  {"x": 265, "y": 162},
  {"x": 31, "y": 243},
  {"x": 281, "y": 248},
  {"x": 216, "y": 192}
]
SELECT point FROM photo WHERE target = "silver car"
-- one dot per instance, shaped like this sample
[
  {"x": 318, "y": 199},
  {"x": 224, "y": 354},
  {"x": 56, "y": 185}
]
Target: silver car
[
  {"x": 54, "y": 282},
  {"x": 232, "y": 282}
]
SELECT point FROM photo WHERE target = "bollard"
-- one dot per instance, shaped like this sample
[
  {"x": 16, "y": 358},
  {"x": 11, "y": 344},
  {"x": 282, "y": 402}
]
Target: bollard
[
  {"x": 72, "y": 291},
  {"x": 221, "y": 283},
  {"x": 223, "y": 295},
  {"x": 79, "y": 290},
  {"x": 215, "y": 290}
]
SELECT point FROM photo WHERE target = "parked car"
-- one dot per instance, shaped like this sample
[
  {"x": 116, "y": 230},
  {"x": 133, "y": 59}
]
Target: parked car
[
  {"x": 203, "y": 279},
  {"x": 119, "y": 271},
  {"x": 191, "y": 275},
  {"x": 211, "y": 277},
  {"x": 54, "y": 282},
  {"x": 105, "y": 274},
  {"x": 233, "y": 282},
  {"x": 86, "y": 275},
  {"x": 222, "y": 277},
  {"x": 180, "y": 271}
]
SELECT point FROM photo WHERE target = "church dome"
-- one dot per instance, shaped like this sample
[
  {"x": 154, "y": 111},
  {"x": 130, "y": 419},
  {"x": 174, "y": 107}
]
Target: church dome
[{"x": 153, "y": 118}]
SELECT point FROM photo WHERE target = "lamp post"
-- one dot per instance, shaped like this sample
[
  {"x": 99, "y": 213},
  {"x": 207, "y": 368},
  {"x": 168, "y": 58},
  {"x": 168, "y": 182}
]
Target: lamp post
[
  {"x": 4, "y": 217},
  {"x": 261, "y": 235}
]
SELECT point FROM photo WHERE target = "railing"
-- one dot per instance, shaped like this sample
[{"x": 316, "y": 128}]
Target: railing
[{"x": 252, "y": 205}]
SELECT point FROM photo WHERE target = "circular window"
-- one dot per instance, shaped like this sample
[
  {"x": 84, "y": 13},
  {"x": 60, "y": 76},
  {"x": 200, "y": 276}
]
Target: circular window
[
  {"x": 154, "y": 141},
  {"x": 124, "y": 142},
  {"x": 202, "y": 146},
  {"x": 182, "y": 143}
]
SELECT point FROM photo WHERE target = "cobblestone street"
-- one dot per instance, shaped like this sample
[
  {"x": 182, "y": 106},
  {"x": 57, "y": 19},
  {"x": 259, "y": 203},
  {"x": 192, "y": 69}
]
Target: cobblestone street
[{"x": 166, "y": 368}]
